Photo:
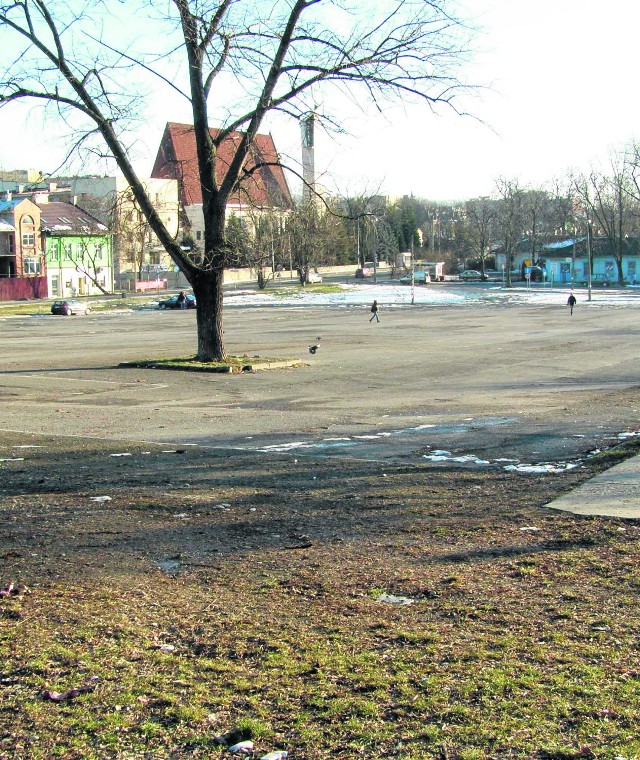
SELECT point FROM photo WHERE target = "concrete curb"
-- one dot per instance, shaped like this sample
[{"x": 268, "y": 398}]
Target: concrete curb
[{"x": 614, "y": 493}]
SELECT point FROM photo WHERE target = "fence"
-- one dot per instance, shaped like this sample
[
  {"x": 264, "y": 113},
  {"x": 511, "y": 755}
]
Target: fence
[{"x": 23, "y": 288}]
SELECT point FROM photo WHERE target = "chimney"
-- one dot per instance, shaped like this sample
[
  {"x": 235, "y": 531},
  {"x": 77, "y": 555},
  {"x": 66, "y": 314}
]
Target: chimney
[
  {"x": 9, "y": 196},
  {"x": 40, "y": 198}
]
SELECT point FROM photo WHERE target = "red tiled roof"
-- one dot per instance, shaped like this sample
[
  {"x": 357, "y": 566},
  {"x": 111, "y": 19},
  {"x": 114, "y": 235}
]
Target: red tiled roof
[{"x": 177, "y": 159}]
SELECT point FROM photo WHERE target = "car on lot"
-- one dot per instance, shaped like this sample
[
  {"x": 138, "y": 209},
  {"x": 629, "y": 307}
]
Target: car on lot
[
  {"x": 597, "y": 281},
  {"x": 173, "y": 303},
  {"x": 313, "y": 277},
  {"x": 366, "y": 271},
  {"x": 419, "y": 278},
  {"x": 470, "y": 274},
  {"x": 69, "y": 307}
]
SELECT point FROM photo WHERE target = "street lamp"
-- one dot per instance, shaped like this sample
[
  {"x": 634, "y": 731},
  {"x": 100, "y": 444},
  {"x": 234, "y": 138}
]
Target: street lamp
[
  {"x": 573, "y": 255},
  {"x": 589, "y": 254}
]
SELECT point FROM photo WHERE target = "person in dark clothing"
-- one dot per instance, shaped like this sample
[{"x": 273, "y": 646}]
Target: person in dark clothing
[
  {"x": 374, "y": 312},
  {"x": 571, "y": 302},
  {"x": 182, "y": 300}
]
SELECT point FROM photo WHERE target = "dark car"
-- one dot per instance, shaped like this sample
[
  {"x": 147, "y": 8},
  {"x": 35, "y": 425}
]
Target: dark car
[
  {"x": 597, "y": 281},
  {"x": 173, "y": 303},
  {"x": 69, "y": 307},
  {"x": 470, "y": 274}
]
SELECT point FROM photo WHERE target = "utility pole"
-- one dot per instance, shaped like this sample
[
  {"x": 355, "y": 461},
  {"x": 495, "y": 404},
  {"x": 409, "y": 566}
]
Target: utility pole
[
  {"x": 589, "y": 255},
  {"x": 413, "y": 278}
]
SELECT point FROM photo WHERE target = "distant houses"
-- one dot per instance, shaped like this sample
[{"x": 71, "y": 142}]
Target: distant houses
[
  {"x": 85, "y": 235},
  {"x": 563, "y": 262}
]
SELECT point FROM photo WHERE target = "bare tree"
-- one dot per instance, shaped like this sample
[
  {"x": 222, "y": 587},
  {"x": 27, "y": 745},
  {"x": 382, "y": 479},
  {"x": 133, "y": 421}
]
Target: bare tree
[
  {"x": 607, "y": 202},
  {"x": 480, "y": 217},
  {"x": 280, "y": 54},
  {"x": 257, "y": 239},
  {"x": 510, "y": 219},
  {"x": 132, "y": 230}
]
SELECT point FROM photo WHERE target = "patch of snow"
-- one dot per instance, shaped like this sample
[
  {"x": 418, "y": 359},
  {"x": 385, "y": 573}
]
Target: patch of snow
[{"x": 395, "y": 295}]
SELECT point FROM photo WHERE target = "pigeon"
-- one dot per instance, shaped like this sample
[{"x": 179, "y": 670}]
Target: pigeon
[{"x": 315, "y": 346}]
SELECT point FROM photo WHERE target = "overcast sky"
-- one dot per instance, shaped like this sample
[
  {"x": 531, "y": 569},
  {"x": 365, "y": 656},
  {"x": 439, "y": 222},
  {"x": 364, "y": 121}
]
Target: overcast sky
[{"x": 561, "y": 93}]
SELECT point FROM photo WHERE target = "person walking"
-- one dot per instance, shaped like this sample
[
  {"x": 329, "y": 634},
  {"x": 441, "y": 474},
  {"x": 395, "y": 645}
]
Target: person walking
[
  {"x": 374, "y": 312},
  {"x": 571, "y": 302},
  {"x": 182, "y": 300}
]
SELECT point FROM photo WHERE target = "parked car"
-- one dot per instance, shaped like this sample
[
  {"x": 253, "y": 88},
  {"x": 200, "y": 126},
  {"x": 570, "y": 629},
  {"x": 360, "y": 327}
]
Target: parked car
[
  {"x": 470, "y": 274},
  {"x": 597, "y": 281},
  {"x": 172, "y": 303},
  {"x": 536, "y": 274},
  {"x": 313, "y": 277},
  {"x": 419, "y": 278},
  {"x": 69, "y": 307},
  {"x": 366, "y": 271}
]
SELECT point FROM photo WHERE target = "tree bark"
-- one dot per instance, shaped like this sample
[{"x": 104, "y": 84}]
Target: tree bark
[{"x": 207, "y": 288}]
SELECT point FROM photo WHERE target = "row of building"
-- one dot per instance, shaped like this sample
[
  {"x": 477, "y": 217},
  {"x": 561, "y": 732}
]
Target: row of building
[{"x": 76, "y": 236}]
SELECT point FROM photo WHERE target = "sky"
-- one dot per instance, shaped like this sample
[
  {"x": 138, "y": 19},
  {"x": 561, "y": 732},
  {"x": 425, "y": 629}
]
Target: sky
[{"x": 556, "y": 92}]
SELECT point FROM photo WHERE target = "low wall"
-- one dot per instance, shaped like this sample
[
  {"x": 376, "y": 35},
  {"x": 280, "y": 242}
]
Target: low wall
[
  {"x": 23, "y": 288},
  {"x": 177, "y": 281}
]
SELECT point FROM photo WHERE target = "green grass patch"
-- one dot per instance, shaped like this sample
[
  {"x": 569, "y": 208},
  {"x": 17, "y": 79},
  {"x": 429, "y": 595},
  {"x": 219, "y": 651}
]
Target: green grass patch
[
  {"x": 96, "y": 304},
  {"x": 321, "y": 287},
  {"x": 233, "y": 364}
]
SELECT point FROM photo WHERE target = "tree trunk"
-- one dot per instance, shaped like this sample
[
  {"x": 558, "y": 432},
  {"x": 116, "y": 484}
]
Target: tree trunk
[{"x": 207, "y": 288}]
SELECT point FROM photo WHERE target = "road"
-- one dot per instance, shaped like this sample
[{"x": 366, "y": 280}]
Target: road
[{"x": 527, "y": 383}]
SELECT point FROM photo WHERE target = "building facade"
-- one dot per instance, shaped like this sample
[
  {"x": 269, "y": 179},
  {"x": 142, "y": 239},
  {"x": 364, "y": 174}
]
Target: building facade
[
  {"x": 78, "y": 250},
  {"x": 22, "y": 263},
  {"x": 263, "y": 187}
]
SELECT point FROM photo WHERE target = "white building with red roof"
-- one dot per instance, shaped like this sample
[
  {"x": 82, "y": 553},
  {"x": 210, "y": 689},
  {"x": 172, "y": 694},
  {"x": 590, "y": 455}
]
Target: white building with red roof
[{"x": 263, "y": 185}]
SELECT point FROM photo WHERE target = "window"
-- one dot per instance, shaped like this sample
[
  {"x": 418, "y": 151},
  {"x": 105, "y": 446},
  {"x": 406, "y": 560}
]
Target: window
[
  {"x": 67, "y": 250},
  {"x": 198, "y": 235},
  {"x": 99, "y": 247},
  {"x": 31, "y": 265},
  {"x": 28, "y": 231}
]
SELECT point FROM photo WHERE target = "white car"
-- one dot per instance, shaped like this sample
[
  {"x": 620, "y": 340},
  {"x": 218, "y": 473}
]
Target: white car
[
  {"x": 314, "y": 277},
  {"x": 419, "y": 278}
]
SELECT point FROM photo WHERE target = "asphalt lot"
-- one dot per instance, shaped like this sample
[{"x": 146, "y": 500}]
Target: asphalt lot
[{"x": 494, "y": 382}]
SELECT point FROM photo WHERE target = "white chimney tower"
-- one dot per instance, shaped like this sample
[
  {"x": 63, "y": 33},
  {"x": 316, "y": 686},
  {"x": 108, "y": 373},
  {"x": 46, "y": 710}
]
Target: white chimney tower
[{"x": 307, "y": 127}]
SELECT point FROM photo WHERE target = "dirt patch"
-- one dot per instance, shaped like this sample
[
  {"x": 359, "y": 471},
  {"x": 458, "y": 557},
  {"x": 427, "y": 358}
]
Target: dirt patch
[{"x": 203, "y": 592}]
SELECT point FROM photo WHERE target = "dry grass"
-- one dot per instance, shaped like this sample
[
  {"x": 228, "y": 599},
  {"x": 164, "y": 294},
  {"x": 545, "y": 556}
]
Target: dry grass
[{"x": 519, "y": 643}]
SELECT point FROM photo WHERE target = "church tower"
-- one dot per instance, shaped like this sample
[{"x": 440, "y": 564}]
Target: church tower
[{"x": 307, "y": 127}]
